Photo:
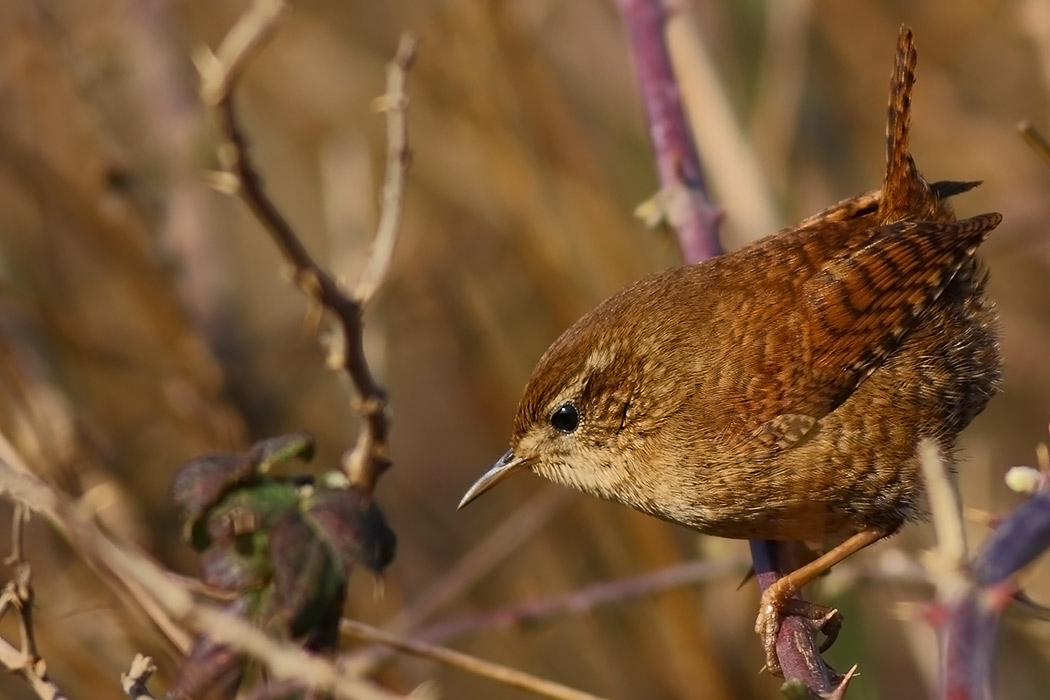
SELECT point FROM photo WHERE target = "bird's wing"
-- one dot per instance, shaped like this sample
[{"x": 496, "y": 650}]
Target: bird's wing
[{"x": 854, "y": 312}]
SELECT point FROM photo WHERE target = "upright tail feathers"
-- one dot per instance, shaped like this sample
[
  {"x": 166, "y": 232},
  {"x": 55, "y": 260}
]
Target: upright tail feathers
[{"x": 905, "y": 195}]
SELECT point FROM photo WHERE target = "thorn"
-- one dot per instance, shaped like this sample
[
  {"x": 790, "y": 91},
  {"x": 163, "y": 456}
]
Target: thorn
[
  {"x": 378, "y": 587},
  {"x": 208, "y": 66},
  {"x": 909, "y": 611},
  {"x": 840, "y": 691},
  {"x": 1037, "y": 609},
  {"x": 222, "y": 181},
  {"x": 936, "y": 615},
  {"x": 982, "y": 517}
]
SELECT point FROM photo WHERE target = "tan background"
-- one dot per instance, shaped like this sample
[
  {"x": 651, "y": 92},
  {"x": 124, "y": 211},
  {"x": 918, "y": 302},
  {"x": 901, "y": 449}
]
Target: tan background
[{"x": 132, "y": 294}]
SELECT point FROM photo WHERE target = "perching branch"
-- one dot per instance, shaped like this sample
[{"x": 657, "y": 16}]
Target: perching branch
[
  {"x": 219, "y": 74},
  {"x": 683, "y": 203}
]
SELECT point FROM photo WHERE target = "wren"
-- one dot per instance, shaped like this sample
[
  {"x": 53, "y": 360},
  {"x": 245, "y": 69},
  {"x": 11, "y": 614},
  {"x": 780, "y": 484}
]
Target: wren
[{"x": 780, "y": 392}]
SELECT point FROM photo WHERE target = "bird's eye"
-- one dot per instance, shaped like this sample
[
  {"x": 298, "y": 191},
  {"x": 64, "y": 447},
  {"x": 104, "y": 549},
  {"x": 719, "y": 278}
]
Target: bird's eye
[{"x": 566, "y": 418}]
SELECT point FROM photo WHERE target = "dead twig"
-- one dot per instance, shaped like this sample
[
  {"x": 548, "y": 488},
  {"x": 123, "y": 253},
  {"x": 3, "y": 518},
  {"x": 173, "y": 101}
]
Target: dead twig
[
  {"x": 1033, "y": 138},
  {"x": 219, "y": 73},
  {"x": 17, "y": 595},
  {"x": 494, "y": 548},
  {"x": 471, "y": 664},
  {"x": 585, "y": 599}
]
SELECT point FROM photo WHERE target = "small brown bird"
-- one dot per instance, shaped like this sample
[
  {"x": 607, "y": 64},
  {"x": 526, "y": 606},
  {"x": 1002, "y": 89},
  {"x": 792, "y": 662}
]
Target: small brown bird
[{"x": 780, "y": 392}]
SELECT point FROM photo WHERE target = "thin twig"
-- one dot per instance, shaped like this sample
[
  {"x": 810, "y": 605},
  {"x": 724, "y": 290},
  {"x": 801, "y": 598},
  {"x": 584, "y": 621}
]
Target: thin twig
[
  {"x": 944, "y": 506},
  {"x": 734, "y": 168},
  {"x": 584, "y": 600},
  {"x": 220, "y": 70},
  {"x": 370, "y": 456},
  {"x": 589, "y": 598},
  {"x": 393, "y": 103},
  {"x": 219, "y": 73},
  {"x": 471, "y": 664},
  {"x": 17, "y": 595},
  {"x": 1034, "y": 139},
  {"x": 503, "y": 541},
  {"x": 18, "y": 522}
]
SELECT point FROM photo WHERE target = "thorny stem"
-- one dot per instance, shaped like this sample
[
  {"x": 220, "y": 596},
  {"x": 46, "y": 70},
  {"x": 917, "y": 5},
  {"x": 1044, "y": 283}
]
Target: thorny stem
[
  {"x": 695, "y": 221},
  {"x": 369, "y": 458},
  {"x": 972, "y": 596},
  {"x": 683, "y": 201},
  {"x": 219, "y": 73}
]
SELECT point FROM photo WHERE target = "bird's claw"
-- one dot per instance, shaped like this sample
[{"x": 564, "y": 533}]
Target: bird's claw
[
  {"x": 767, "y": 626},
  {"x": 775, "y": 606}
]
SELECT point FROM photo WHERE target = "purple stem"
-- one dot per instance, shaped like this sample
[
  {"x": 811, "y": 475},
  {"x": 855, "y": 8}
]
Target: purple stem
[
  {"x": 581, "y": 600},
  {"x": 972, "y": 617},
  {"x": 1018, "y": 540},
  {"x": 677, "y": 159},
  {"x": 797, "y": 647},
  {"x": 696, "y": 226}
]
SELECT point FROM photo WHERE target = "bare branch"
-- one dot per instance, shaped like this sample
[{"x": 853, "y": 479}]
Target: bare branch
[
  {"x": 1033, "y": 138},
  {"x": 398, "y": 155},
  {"x": 471, "y": 664},
  {"x": 500, "y": 543},
  {"x": 797, "y": 648},
  {"x": 220, "y": 70},
  {"x": 944, "y": 506},
  {"x": 586, "y": 599},
  {"x": 17, "y": 595},
  {"x": 219, "y": 73}
]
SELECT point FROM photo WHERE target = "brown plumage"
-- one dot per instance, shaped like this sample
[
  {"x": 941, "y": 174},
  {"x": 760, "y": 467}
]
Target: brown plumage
[{"x": 780, "y": 391}]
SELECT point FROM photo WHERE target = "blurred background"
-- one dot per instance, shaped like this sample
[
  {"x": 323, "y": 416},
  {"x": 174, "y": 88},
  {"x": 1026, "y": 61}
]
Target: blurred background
[{"x": 145, "y": 318}]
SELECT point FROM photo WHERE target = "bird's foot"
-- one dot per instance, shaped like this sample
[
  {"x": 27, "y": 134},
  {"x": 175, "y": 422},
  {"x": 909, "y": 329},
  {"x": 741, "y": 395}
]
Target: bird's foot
[{"x": 776, "y": 604}]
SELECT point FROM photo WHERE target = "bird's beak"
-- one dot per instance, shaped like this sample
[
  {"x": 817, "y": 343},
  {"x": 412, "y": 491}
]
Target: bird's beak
[{"x": 504, "y": 467}]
